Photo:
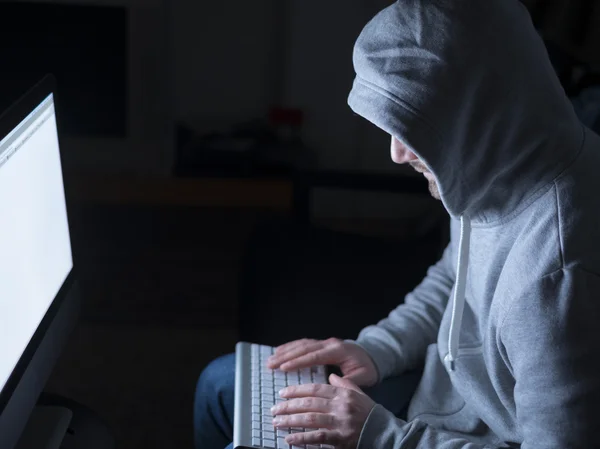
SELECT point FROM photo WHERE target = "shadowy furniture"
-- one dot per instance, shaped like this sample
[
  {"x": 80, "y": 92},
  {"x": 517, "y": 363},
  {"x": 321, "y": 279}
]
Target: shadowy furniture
[{"x": 300, "y": 281}]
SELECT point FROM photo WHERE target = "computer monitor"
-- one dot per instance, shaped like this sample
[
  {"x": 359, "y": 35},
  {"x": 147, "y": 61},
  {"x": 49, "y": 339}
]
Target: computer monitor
[{"x": 38, "y": 300}]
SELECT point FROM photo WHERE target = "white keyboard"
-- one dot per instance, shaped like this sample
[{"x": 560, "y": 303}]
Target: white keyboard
[{"x": 257, "y": 390}]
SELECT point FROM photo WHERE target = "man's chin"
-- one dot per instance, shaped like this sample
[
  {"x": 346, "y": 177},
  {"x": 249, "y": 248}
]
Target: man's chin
[{"x": 433, "y": 189}]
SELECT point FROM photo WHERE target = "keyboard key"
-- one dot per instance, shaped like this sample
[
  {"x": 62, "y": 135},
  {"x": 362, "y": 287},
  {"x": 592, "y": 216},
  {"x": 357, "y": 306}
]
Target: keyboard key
[
  {"x": 269, "y": 435},
  {"x": 327, "y": 446},
  {"x": 266, "y": 406},
  {"x": 265, "y": 385}
]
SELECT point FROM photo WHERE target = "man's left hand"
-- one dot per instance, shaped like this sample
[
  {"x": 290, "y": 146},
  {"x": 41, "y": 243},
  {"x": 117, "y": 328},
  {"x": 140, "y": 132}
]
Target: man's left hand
[{"x": 338, "y": 411}]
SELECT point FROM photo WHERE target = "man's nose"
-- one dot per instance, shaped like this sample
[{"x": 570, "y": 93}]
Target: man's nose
[{"x": 400, "y": 152}]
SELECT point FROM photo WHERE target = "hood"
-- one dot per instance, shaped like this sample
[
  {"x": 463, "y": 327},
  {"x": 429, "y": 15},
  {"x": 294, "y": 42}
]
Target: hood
[{"x": 468, "y": 87}]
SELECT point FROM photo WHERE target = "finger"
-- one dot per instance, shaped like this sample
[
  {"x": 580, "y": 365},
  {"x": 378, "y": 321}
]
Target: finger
[
  {"x": 292, "y": 354},
  {"x": 344, "y": 382},
  {"x": 357, "y": 377},
  {"x": 309, "y": 390},
  {"x": 292, "y": 344},
  {"x": 302, "y": 405},
  {"x": 315, "y": 357},
  {"x": 305, "y": 420},
  {"x": 321, "y": 436},
  {"x": 276, "y": 361},
  {"x": 300, "y": 346}
]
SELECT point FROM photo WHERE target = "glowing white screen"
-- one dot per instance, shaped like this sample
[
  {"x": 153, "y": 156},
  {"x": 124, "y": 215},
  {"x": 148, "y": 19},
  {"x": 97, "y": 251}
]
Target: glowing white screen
[{"x": 35, "y": 248}]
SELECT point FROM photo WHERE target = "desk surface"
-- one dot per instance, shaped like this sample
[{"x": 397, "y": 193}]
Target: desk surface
[{"x": 208, "y": 192}]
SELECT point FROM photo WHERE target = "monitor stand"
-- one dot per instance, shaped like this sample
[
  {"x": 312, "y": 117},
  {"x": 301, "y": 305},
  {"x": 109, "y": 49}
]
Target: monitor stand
[
  {"x": 46, "y": 428},
  {"x": 60, "y": 423}
]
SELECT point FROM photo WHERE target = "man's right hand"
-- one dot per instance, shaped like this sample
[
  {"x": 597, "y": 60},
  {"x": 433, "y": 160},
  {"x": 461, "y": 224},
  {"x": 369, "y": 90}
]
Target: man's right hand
[{"x": 354, "y": 362}]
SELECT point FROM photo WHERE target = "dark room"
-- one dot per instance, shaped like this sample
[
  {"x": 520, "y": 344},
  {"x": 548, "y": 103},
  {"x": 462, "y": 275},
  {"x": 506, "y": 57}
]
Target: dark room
[{"x": 299, "y": 224}]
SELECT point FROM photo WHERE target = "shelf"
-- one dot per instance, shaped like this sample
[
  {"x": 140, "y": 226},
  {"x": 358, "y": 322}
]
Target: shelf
[{"x": 205, "y": 192}]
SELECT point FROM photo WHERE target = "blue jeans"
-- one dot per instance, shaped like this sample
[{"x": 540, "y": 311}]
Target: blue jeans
[{"x": 213, "y": 405}]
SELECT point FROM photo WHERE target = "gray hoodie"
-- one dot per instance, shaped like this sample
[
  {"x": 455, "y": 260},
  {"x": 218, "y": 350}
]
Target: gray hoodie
[{"x": 507, "y": 323}]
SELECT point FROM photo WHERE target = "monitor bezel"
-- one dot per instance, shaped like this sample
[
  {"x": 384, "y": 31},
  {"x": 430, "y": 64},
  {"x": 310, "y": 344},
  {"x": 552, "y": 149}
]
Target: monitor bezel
[{"x": 9, "y": 120}]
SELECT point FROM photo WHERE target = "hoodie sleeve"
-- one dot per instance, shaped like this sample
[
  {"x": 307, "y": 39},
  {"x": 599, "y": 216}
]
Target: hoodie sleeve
[
  {"x": 549, "y": 340},
  {"x": 552, "y": 344},
  {"x": 398, "y": 343},
  {"x": 384, "y": 430}
]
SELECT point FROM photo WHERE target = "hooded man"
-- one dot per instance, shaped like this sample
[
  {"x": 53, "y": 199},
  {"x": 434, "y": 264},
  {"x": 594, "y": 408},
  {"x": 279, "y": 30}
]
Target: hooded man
[{"x": 505, "y": 323}]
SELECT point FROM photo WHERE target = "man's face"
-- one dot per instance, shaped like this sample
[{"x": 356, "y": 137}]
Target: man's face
[{"x": 402, "y": 155}]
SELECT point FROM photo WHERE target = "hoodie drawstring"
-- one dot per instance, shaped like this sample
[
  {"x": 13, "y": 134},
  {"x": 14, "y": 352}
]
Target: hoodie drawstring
[{"x": 458, "y": 303}]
